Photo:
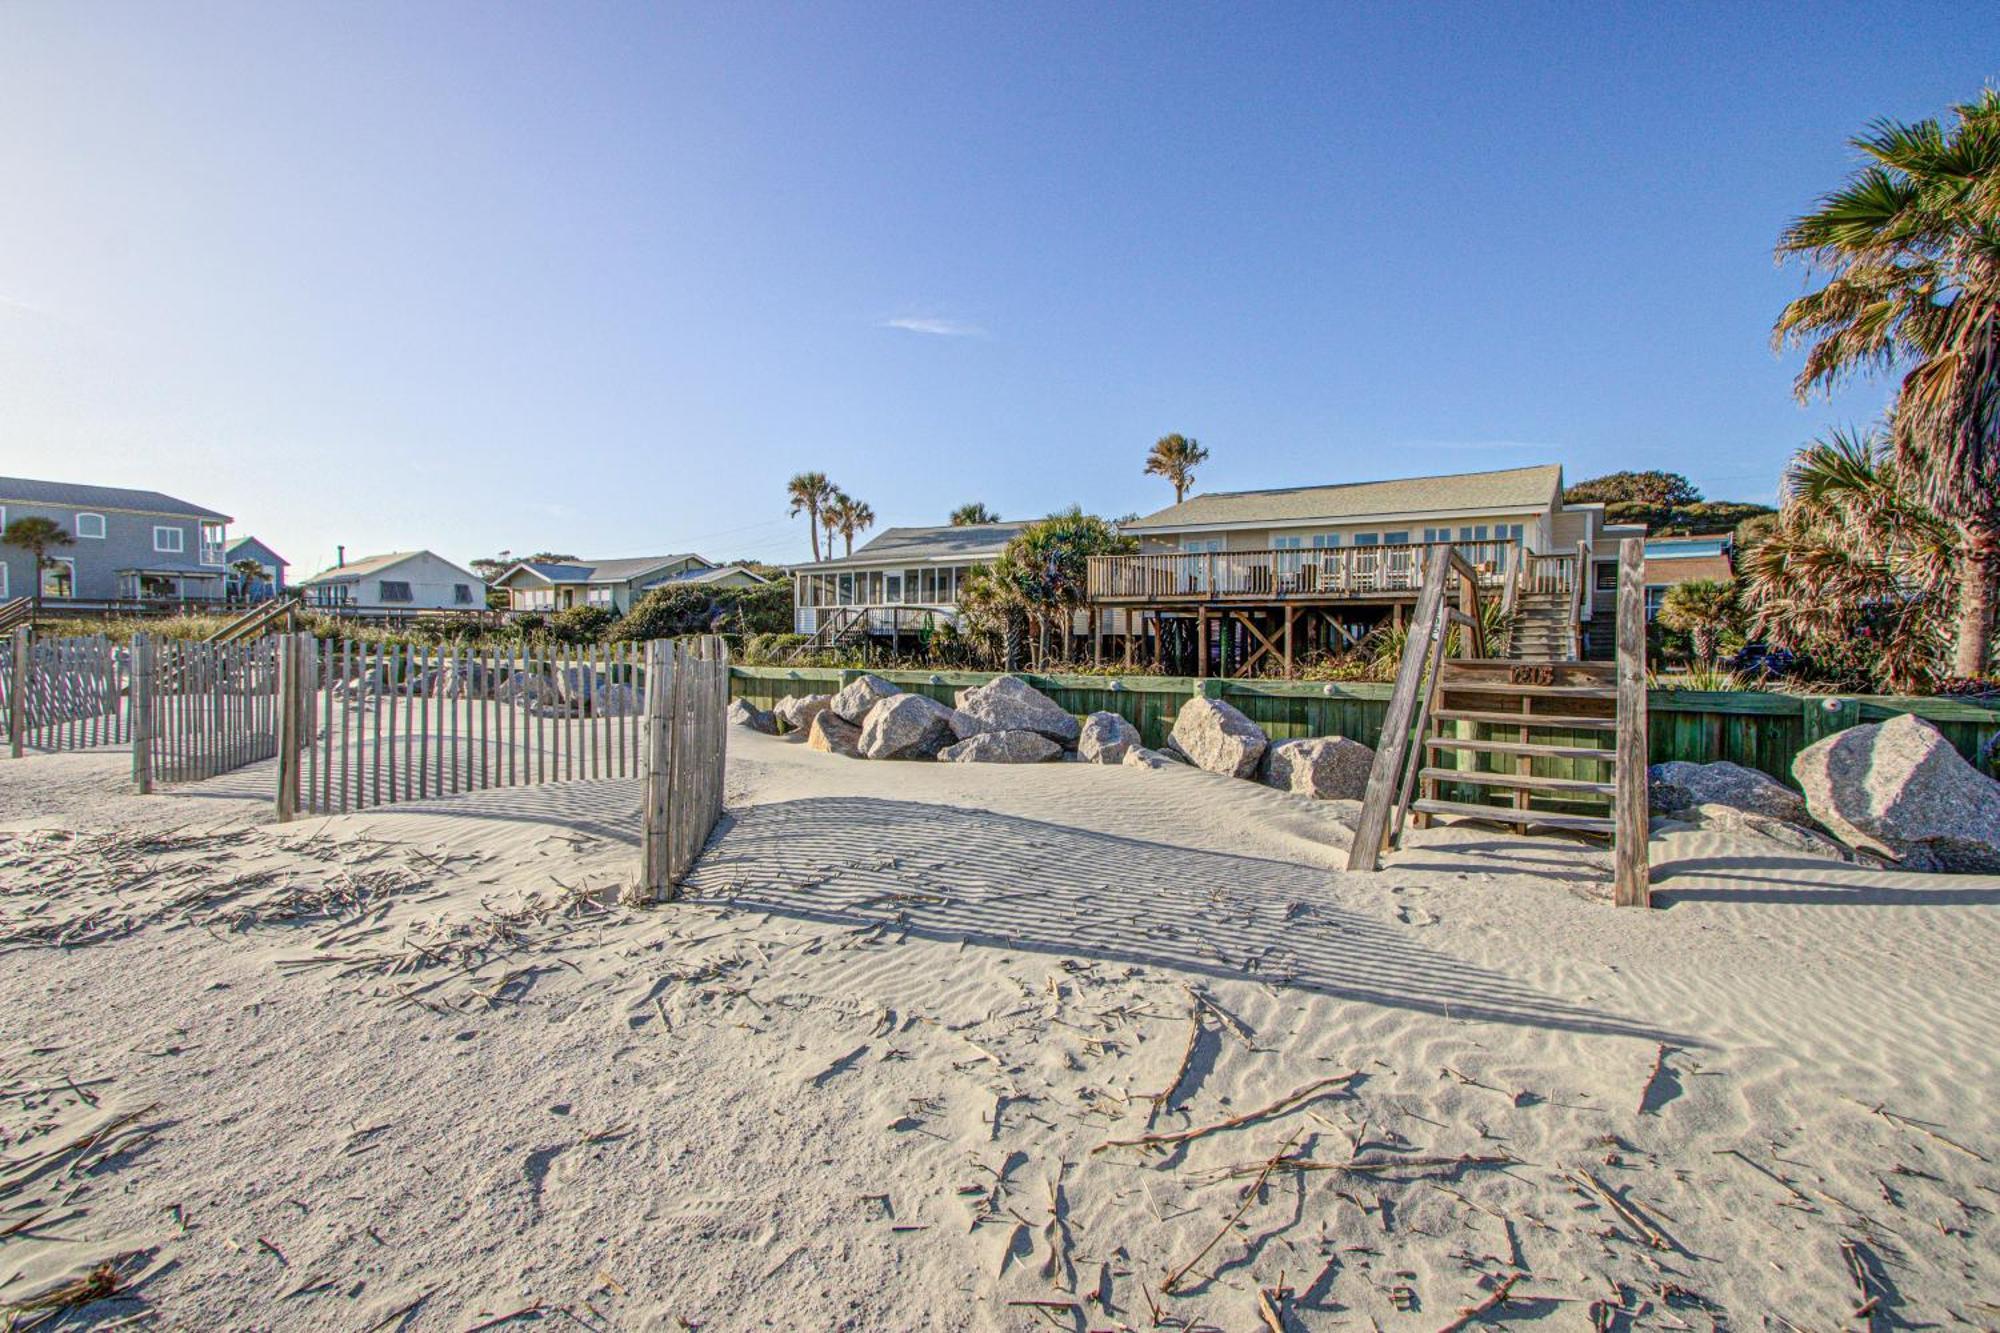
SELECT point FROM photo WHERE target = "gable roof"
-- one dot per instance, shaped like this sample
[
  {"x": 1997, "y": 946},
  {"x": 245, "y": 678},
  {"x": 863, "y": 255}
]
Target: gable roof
[
  {"x": 250, "y": 548},
  {"x": 75, "y": 495},
  {"x": 377, "y": 564},
  {"x": 601, "y": 571},
  {"x": 1512, "y": 488},
  {"x": 923, "y": 545}
]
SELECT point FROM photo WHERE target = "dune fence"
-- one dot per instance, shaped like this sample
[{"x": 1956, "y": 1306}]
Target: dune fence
[
  {"x": 1758, "y": 729},
  {"x": 368, "y": 725},
  {"x": 63, "y": 693},
  {"x": 199, "y": 710}
]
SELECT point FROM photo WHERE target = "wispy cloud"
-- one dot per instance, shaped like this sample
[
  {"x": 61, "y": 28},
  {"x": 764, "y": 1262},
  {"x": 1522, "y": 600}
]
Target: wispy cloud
[{"x": 934, "y": 326}]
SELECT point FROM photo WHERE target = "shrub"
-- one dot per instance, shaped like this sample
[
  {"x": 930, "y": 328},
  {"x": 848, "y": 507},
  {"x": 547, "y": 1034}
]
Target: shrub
[{"x": 581, "y": 624}]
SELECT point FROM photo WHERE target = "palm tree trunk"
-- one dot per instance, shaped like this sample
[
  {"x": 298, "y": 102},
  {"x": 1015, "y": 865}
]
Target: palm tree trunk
[
  {"x": 812, "y": 530},
  {"x": 1979, "y": 585}
]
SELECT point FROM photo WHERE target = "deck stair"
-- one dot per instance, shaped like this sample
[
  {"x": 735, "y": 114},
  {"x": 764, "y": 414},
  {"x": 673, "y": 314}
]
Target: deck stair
[
  {"x": 264, "y": 618},
  {"x": 16, "y": 613},
  {"x": 1536, "y": 739},
  {"x": 843, "y": 625}
]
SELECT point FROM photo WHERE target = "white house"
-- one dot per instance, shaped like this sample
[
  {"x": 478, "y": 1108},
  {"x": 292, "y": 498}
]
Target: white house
[
  {"x": 399, "y": 581},
  {"x": 905, "y": 581},
  {"x": 546, "y": 585}
]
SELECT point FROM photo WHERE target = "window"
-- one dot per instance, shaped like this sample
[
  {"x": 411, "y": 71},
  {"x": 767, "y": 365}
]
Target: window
[
  {"x": 393, "y": 590},
  {"x": 1396, "y": 538},
  {"x": 1437, "y": 534},
  {"x": 1367, "y": 539},
  {"x": 1326, "y": 541},
  {"x": 1198, "y": 544},
  {"x": 1654, "y": 596},
  {"x": 170, "y": 540},
  {"x": 4, "y": 593},
  {"x": 846, "y": 590},
  {"x": 1287, "y": 543},
  {"x": 59, "y": 577},
  {"x": 90, "y": 526},
  {"x": 212, "y": 543},
  {"x": 462, "y": 593},
  {"x": 1606, "y": 577},
  {"x": 594, "y": 596},
  {"x": 895, "y": 589}
]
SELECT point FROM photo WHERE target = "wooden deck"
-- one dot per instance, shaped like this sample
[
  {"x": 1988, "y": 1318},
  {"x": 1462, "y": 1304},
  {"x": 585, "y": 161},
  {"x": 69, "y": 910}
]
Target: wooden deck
[{"x": 1301, "y": 576}]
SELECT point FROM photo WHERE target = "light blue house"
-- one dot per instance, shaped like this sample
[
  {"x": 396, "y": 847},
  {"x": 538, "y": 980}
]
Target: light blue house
[{"x": 126, "y": 545}]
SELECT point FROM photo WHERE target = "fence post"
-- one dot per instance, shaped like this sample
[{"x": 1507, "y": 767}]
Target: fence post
[
  {"x": 142, "y": 713},
  {"x": 17, "y": 693},
  {"x": 1628, "y": 849},
  {"x": 289, "y": 707},
  {"x": 656, "y": 854}
]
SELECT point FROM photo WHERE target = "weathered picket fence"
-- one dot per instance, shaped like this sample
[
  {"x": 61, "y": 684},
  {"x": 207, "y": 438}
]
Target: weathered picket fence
[
  {"x": 687, "y": 698},
  {"x": 199, "y": 710},
  {"x": 365, "y": 725},
  {"x": 384, "y": 723},
  {"x": 62, "y": 693}
]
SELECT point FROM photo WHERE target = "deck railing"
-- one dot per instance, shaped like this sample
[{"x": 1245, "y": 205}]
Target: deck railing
[{"x": 1314, "y": 572}]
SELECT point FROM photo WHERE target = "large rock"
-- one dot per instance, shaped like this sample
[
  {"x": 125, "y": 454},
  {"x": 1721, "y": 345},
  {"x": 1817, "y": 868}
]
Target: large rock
[
  {"x": 860, "y": 695},
  {"x": 518, "y": 687},
  {"x": 1676, "y": 786},
  {"x": 1141, "y": 757},
  {"x": 833, "y": 736},
  {"x": 743, "y": 713},
  {"x": 1326, "y": 768},
  {"x": 906, "y": 726},
  {"x": 1008, "y": 703},
  {"x": 1900, "y": 790},
  {"x": 795, "y": 712},
  {"x": 1105, "y": 738},
  {"x": 1003, "y": 747},
  {"x": 1218, "y": 737}
]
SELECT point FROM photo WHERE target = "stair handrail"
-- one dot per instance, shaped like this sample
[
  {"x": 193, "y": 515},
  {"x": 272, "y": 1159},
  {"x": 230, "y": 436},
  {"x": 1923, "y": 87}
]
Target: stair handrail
[
  {"x": 16, "y": 611},
  {"x": 257, "y": 618},
  {"x": 1579, "y": 601},
  {"x": 1385, "y": 773}
]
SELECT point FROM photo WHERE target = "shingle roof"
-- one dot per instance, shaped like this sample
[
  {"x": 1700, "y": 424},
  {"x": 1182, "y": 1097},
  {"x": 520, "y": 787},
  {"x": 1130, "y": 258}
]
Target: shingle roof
[
  {"x": 362, "y": 568},
  {"x": 236, "y": 549},
  {"x": 1524, "y": 487},
  {"x": 602, "y": 571},
  {"x": 74, "y": 495},
  {"x": 969, "y": 541}
]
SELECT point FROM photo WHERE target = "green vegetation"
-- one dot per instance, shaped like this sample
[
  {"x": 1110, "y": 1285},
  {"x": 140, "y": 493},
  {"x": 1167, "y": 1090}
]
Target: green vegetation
[
  {"x": 1175, "y": 457},
  {"x": 1909, "y": 248},
  {"x": 1704, "y": 610},
  {"x": 846, "y": 516},
  {"x": 1040, "y": 579},
  {"x": 1666, "y": 503},
  {"x": 966, "y": 516}
]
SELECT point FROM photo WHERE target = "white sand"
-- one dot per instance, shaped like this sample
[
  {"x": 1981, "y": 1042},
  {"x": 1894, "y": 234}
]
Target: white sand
[{"x": 860, "y": 1079}]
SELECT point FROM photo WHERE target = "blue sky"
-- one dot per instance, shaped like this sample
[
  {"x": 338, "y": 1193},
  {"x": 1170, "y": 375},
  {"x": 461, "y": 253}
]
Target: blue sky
[{"x": 601, "y": 277}]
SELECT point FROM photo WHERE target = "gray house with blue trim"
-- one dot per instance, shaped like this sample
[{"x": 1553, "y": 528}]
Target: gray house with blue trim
[{"x": 126, "y": 545}]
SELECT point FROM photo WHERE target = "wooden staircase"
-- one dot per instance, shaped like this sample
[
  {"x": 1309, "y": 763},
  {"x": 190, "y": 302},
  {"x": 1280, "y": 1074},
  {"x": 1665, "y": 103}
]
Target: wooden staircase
[
  {"x": 259, "y": 620},
  {"x": 1536, "y": 739},
  {"x": 14, "y": 614},
  {"x": 843, "y": 625}
]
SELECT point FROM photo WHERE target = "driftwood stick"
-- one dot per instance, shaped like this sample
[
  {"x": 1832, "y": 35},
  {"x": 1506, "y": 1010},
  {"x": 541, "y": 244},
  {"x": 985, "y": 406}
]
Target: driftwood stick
[
  {"x": 1289, "y": 1102},
  {"x": 1271, "y": 1305},
  {"x": 1249, "y": 1197},
  {"x": 1494, "y": 1300},
  {"x": 1922, "y": 1128},
  {"x": 1163, "y": 1100},
  {"x": 1222, "y": 1016},
  {"x": 1659, "y": 1067},
  {"x": 1623, "y": 1210},
  {"x": 1375, "y": 1167}
]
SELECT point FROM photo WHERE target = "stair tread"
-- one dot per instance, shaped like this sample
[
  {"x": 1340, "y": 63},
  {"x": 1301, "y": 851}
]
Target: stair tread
[
  {"x": 1523, "y": 781},
  {"x": 1530, "y": 749},
  {"x": 1530, "y": 720},
  {"x": 1539, "y": 691},
  {"x": 1508, "y": 815}
]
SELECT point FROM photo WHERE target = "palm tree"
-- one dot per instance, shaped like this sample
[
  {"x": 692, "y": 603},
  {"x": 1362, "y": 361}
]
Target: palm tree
[
  {"x": 846, "y": 516},
  {"x": 37, "y": 536},
  {"x": 1175, "y": 457},
  {"x": 1911, "y": 244},
  {"x": 1702, "y": 609},
  {"x": 1858, "y": 568},
  {"x": 248, "y": 574},
  {"x": 809, "y": 493},
  {"x": 966, "y": 516}
]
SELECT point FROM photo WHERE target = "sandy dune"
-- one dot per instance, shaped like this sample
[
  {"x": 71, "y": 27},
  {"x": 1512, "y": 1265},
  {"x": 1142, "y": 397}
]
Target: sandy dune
[{"x": 418, "y": 1069}]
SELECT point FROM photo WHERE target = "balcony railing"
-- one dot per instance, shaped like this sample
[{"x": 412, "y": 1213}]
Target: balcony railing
[{"x": 1316, "y": 573}]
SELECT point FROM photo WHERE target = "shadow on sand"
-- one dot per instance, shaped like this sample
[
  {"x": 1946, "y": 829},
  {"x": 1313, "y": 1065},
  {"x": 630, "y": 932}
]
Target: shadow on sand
[{"x": 949, "y": 873}]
